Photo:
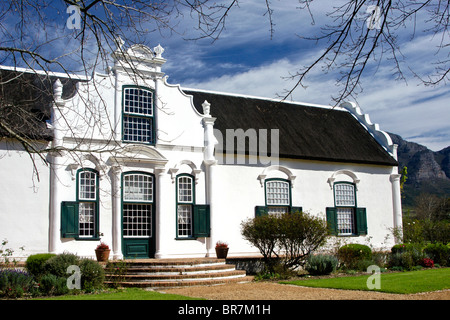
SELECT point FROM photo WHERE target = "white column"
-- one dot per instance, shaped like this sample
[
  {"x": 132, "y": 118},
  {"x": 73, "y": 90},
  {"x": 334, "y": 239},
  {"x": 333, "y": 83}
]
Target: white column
[
  {"x": 396, "y": 201},
  {"x": 211, "y": 165},
  {"x": 160, "y": 174},
  {"x": 116, "y": 213},
  {"x": 57, "y": 122}
]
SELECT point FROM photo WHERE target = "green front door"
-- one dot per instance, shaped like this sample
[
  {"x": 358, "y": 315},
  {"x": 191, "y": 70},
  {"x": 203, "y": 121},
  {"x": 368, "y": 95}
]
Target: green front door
[{"x": 138, "y": 215}]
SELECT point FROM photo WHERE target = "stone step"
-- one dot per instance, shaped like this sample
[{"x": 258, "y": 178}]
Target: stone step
[
  {"x": 185, "y": 283},
  {"x": 161, "y": 273}
]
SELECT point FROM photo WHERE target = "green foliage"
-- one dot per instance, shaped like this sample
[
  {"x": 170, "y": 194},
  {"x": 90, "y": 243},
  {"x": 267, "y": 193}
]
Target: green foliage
[
  {"x": 352, "y": 255},
  {"x": 287, "y": 239},
  {"x": 321, "y": 264},
  {"x": 58, "y": 264},
  {"x": 116, "y": 271},
  {"x": 406, "y": 256},
  {"x": 92, "y": 275},
  {"x": 52, "y": 285},
  {"x": 35, "y": 264},
  {"x": 14, "y": 283},
  {"x": 438, "y": 252}
]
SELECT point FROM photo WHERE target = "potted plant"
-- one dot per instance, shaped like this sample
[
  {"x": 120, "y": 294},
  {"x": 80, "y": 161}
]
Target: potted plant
[
  {"x": 102, "y": 252},
  {"x": 221, "y": 250}
]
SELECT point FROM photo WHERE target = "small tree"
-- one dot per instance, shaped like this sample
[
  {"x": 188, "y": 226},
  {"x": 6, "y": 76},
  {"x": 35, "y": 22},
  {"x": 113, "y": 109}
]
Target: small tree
[{"x": 287, "y": 239}]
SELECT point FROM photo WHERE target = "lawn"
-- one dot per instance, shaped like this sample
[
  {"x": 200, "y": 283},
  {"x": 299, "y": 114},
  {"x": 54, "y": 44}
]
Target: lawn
[
  {"x": 125, "y": 294},
  {"x": 397, "y": 282}
]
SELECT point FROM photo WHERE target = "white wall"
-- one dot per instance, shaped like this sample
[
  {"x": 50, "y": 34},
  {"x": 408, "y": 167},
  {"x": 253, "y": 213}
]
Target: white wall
[{"x": 23, "y": 200}]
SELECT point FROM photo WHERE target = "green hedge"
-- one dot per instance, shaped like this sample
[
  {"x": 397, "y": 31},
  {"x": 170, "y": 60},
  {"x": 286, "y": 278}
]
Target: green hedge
[{"x": 351, "y": 256}]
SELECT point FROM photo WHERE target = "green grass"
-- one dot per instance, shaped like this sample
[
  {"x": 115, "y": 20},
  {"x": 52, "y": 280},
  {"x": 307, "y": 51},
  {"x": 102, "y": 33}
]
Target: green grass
[
  {"x": 125, "y": 294},
  {"x": 400, "y": 282}
]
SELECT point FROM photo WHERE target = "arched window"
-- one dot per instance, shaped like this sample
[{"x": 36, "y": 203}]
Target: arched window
[{"x": 345, "y": 218}]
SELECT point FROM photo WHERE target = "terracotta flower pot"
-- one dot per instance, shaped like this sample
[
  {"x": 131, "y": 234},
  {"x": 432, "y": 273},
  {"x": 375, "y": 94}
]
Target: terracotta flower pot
[
  {"x": 102, "y": 254},
  {"x": 221, "y": 252}
]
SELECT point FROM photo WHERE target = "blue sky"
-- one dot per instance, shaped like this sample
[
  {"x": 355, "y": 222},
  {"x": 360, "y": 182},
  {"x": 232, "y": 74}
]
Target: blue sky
[{"x": 247, "y": 60}]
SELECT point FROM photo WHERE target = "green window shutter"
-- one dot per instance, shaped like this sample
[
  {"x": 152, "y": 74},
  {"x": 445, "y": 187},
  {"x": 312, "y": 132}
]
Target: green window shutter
[
  {"x": 260, "y": 211},
  {"x": 69, "y": 219},
  {"x": 296, "y": 209},
  {"x": 201, "y": 221},
  {"x": 332, "y": 220},
  {"x": 361, "y": 221}
]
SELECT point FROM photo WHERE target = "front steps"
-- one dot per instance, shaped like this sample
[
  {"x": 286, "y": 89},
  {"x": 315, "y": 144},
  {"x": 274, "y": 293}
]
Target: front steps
[{"x": 170, "y": 273}]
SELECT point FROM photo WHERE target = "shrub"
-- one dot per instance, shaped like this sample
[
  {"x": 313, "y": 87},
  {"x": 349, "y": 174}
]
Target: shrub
[
  {"x": 287, "y": 239},
  {"x": 352, "y": 254},
  {"x": 58, "y": 264},
  {"x": 321, "y": 264},
  {"x": 14, "y": 283},
  {"x": 51, "y": 284},
  {"x": 438, "y": 252},
  {"x": 407, "y": 247},
  {"x": 427, "y": 262},
  {"x": 35, "y": 264},
  {"x": 92, "y": 275}
]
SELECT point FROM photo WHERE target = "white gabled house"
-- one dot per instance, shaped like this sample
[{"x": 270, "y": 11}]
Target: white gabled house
[{"x": 158, "y": 171}]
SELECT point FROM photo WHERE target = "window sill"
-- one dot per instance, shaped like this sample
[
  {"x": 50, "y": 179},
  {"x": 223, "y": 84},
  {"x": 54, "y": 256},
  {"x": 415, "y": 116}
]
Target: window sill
[{"x": 186, "y": 238}]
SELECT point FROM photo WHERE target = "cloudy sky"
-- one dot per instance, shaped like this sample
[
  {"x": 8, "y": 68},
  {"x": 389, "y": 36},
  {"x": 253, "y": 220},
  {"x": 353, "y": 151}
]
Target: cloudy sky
[{"x": 247, "y": 60}]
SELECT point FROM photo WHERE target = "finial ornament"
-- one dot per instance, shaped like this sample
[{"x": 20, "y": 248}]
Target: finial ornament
[{"x": 206, "y": 108}]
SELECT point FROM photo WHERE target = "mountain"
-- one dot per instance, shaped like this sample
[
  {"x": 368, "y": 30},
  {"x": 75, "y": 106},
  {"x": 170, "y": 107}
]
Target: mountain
[{"x": 428, "y": 171}]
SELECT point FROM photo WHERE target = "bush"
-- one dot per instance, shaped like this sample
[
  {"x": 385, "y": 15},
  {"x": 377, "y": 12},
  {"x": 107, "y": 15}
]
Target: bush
[
  {"x": 352, "y": 254},
  {"x": 407, "y": 247},
  {"x": 321, "y": 264},
  {"x": 51, "y": 284},
  {"x": 14, "y": 283},
  {"x": 438, "y": 252},
  {"x": 287, "y": 239},
  {"x": 35, "y": 264},
  {"x": 58, "y": 264},
  {"x": 92, "y": 275}
]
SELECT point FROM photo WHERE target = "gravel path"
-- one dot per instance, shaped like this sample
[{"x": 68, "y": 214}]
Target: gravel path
[{"x": 275, "y": 291}]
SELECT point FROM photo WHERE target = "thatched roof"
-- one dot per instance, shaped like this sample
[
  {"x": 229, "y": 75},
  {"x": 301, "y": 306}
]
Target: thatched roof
[
  {"x": 25, "y": 99},
  {"x": 305, "y": 132}
]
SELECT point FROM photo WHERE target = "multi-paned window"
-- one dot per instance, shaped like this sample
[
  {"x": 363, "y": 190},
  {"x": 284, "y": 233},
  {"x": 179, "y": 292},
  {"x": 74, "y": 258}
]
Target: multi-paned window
[
  {"x": 345, "y": 218},
  {"x": 79, "y": 219},
  {"x": 138, "y": 115},
  {"x": 278, "y": 198},
  {"x": 185, "y": 204},
  {"x": 137, "y": 201},
  {"x": 345, "y": 202},
  {"x": 193, "y": 220},
  {"x": 87, "y": 198}
]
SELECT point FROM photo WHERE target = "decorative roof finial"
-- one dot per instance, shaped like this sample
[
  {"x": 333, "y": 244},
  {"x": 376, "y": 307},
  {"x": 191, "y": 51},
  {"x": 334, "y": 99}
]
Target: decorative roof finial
[
  {"x": 158, "y": 51},
  {"x": 206, "y": 108}
]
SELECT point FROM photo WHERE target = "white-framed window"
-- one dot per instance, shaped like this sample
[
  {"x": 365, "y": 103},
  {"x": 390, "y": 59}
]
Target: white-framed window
[
  {"x": 138, "y": 115},
  {"x": 87, "y": 180},
  {"x": 137, "y": 187},
  {"x": 345, "y": 203},
  {"x": 278, "y": 196},
  {"x": 278, "y": 193},
  {"x": 137, "y": 199},
  {"x": 185, "y": 203}
]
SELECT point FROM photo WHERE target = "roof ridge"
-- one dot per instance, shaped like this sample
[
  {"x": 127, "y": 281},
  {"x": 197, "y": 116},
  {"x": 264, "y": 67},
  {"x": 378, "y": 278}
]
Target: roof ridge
[{"x": 239, "y": 95}]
